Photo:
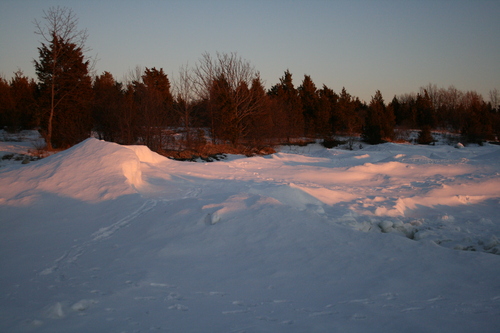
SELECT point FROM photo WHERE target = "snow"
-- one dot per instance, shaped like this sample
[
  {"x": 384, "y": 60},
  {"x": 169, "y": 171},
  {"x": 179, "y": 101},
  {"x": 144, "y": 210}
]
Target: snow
[{"x": 388, "y": 238}]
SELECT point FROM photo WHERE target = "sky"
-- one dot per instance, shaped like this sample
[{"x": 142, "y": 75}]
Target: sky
[{"x": 392, "y": 46}]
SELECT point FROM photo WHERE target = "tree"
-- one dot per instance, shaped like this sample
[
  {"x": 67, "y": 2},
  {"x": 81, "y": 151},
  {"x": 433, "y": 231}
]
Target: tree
[
  {"x": 425, "y": 111},
  {"x": 345, "y": 116},
  {"x": 310, "y": 105},
  {"x": 129, "y": 118},
  {"x": 478, "y": 123},
  {"x": 223, "y": 109},
  {"x": 63, "y": 72},
  {"x": 224, "y": 83},
  {"x": 433, "y": 94},
  {"x": 153, "y": 100},
  {"x": 288, "y": 115},
  {"x": 397, "y": 109},
  {"x": 495, "y": 99},
  {"x": 425, "y": 136},
  {"x": 184, "y": 100},
  {"x": 6, "y": 103},
  {"x": 379, "y": 121},
  {"x": 328, "y": 100},
  {"x": 451, "y": 111},
  {"x": 107, "y": 107},
  {"x": 23, "y": 91},
  {"x": 259, "y": 125}
]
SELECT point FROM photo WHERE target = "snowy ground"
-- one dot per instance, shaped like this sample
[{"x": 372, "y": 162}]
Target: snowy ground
[{"x": 389, "y": 238}]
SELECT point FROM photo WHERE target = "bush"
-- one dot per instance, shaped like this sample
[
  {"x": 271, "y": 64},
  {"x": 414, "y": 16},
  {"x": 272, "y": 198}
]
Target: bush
[
  {"x": 425, "y": 136},
  {"x": 332, "y": 143},
  {"x": 210, "y": 152}
]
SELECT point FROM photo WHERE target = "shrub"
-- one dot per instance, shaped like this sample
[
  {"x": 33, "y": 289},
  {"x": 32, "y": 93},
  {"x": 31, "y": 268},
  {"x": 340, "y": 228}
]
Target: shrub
[{"x": 425, "y": 136}]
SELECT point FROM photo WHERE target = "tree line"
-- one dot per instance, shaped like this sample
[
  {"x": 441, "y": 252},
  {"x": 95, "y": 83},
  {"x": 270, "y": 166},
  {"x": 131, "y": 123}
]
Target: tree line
[{"x": 221, "y": 97}]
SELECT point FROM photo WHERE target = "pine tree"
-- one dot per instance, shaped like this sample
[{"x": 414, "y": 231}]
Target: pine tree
[
  {"x": 379, "y": 121},
  {"x": 425, "y": 111},
  {"x": 288, "y": 116},
  {"x": 310, "y": 104},
  {"x": 223, "y": 111},
  {"x": 66, "y": 90},
  {"x": 345, "y": 117},
  {"x": 64, "y": 80},
  {"x": 154, "y": 103},
  {"x": 478, "y": 125},
  {"x": 6, "y": 103},
  {"x": 24, "y": 107},
  {"x": 259, "y": 125},
  {"x": 425, "y": 136},
  {"x": 107, "y": 107},
  {"x": 328, "y": 100}
]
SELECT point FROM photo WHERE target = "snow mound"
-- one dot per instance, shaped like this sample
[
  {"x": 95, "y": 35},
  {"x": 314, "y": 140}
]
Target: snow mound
[
  {"x": 91, "y": 171},
  {"x": 146, "y": 155}
]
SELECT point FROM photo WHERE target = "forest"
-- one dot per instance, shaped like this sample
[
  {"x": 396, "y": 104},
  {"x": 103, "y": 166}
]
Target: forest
[{"x": 220, "y": 103}]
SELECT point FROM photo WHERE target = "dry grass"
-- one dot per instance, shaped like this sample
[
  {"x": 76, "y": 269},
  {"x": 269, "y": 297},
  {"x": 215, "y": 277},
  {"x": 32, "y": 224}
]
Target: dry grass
[{"x": 211, "y": 152}]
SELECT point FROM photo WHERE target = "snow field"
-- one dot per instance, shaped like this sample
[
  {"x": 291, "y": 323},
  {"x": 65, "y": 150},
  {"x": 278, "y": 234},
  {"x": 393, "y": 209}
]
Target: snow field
[{"x": 107, "y": 238}]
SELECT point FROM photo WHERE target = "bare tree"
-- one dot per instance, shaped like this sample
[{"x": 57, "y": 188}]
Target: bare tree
[
  {"x": 184, "y": 98},
  {"x": 60, "y": 32},
  {"x": 63, "y": 23},
  {"x": 232, "y": 67},
  {"x": 229, "y": 74},
  {"x": 433, "y": 93},
  {"x": 133, "y": 76},
  {"x": 494, "y": 99}
]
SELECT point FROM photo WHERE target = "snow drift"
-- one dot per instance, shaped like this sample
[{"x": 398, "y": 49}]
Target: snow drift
[{"x": 90, "y": 171}]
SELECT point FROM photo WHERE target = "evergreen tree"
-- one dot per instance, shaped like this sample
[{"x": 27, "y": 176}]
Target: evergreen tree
[
  {"x": 478, "y": 125},
  {"x": 107, "y": 107},
  {"x": 23, "y": 93},
  {"x": 129, "y": 120},
  {"x": 345, "y": 118},
  {"x": 259, "y": 125},
  {"x": 425, "y": 136},
  {"x": 328, "y": 100},
  {"x": 398, "y": 110},
  {"x": 64, "y": 81},
  {"x": 223, "y": 111},
  {"x": 154, "y": 103},
  {"x": 379, "y": 121},
  {"x": 425, "y": 111},
  {"x": 310, "y": 104},
  {"x": 288, "y": 116},
  {"x": 66, "y": 92},
  {"x": 6, "y": 104}
]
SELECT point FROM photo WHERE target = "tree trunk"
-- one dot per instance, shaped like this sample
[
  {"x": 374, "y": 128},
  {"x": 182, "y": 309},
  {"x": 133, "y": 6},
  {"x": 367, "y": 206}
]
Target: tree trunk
[{"x": 48, "y": 138}]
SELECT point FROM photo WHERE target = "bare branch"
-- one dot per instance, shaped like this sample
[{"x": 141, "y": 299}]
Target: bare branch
[{"x": 63, "y": 23}]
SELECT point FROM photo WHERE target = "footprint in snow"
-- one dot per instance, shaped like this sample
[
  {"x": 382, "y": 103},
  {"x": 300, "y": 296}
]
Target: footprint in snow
[
  {"x": 174, "y": 297},
  {"x": 358, "y": 316},
  {"x": 416, "y": 308},
  {"x": 212, "y": 293},
  {"x": 321, "y": 314},
  {"x": 178, "y": 307},
  {"x": 234, "y": 312},
  {"x": 265, "y": 318},
  {"x": 145, "y": 298}
]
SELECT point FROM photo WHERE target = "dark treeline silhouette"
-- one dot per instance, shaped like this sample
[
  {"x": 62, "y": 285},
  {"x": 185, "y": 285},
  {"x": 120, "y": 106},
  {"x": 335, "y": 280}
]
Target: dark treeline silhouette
[
  {"x": 147, "y": 110},
  {"x": 220, "y": 100}
]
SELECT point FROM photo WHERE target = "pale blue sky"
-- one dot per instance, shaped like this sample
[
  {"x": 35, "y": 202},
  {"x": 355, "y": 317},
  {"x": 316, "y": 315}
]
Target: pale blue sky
[{"x": 392, "y": 46}]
